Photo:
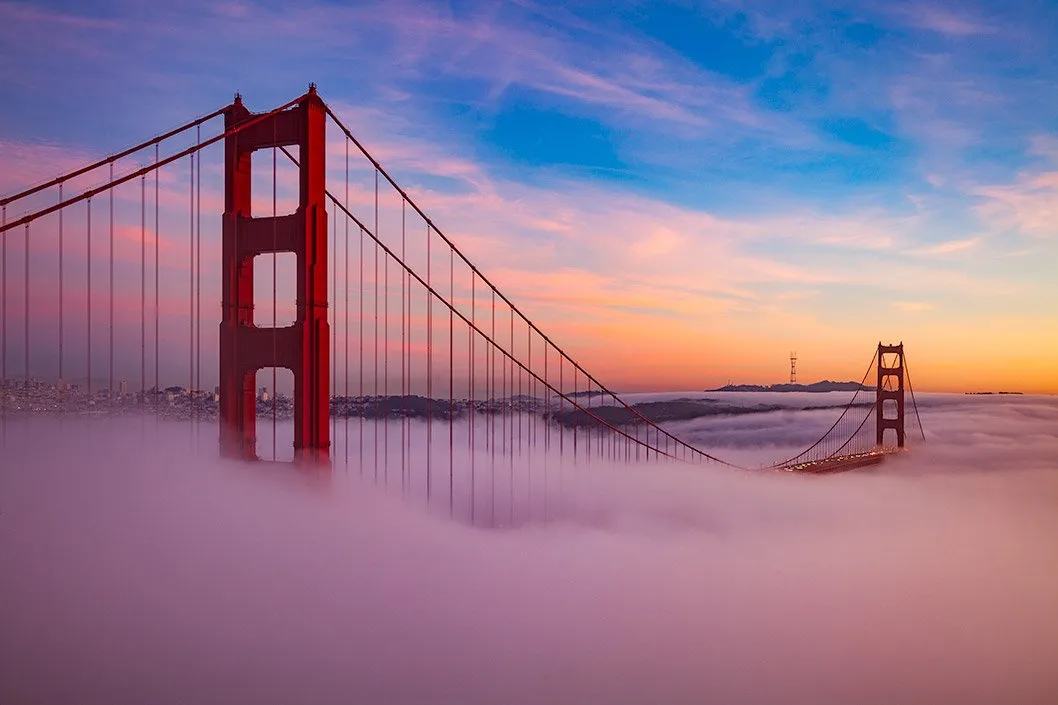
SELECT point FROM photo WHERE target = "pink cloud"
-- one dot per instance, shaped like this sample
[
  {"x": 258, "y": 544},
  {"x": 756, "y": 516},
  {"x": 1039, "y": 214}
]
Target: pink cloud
[{"x": 1029, "y": 205}]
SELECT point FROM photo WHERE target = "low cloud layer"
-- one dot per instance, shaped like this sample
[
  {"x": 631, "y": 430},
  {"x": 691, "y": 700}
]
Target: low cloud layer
[{"x": 143, "y": 570}]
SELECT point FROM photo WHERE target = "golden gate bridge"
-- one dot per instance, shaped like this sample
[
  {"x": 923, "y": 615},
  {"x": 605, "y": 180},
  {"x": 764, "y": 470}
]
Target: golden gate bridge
[{"x": 393, "y": 330}]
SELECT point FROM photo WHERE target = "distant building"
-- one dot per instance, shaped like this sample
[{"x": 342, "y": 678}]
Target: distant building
[
  {"x": 263, "y": 395},
  {"x": 123, "y": 388}
]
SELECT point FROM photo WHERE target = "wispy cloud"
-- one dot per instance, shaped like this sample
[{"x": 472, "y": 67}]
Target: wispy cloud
[
  {"x": 949, "y": 246},
  {"x": 935, "y": 17},
  {"x": 1030, "y": 205}
]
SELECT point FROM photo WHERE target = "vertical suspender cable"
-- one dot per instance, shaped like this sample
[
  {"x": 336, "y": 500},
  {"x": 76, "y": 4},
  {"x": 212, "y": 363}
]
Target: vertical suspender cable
[
  {"x": 191, "y": 290},
  {"x": 345, "y": 286},
  {"x": 374, "y": 282},
  {"x": 345, "y": 289},
  {"x": 547, "y": 418},
  {"x": 561, "y": 405},
  {"x": 510, "y": 447},
  {"x": 275, "y": 294},
  {"x": 576, "y": 416},
  {"x": 532, "y": 381},
  {"x": 360, "y": 338},
  {"x": 385, "y": 370},
  {"x": 334, "y": 342},
  {"x": 429, "y": 366},
  {"x": 111, "y": 317},
  {"x": 157, "y": 302},
  {"x": 25, "y": 312},
  {"x": 3, "y": 317},
  {"x": 61, "y": 281},
  {"x": 451, "y": 379},
  {"x": 403, "y": 343},
  {"x": 143, "y": 287},
  {"x": 503, "y": 403},
  {"x": 492, "y": 410},
  {"x": 198, "y": 265},
  {"x": 88, "y": 296},
  {"x": 334, "y": 314},
  {"x": 471, "y": 345}
]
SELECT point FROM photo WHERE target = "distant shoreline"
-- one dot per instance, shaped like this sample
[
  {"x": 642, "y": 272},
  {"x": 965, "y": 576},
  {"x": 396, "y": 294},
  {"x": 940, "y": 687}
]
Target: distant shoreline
[{"x": 815, "y": 387}]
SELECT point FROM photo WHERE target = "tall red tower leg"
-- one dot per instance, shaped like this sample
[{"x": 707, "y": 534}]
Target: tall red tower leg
[
  {"x": 890, "y": 388},
  {"x": 304, "y": 346}
]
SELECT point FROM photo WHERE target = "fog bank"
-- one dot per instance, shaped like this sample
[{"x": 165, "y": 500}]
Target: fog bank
[{"x": 144, "y": 570}]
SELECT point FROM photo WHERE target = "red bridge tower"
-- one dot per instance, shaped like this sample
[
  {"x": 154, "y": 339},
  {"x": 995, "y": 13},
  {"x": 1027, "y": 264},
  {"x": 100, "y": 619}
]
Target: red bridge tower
[
  {"x": 890, "y": 388},
  {"x": 304, "y": 346}
]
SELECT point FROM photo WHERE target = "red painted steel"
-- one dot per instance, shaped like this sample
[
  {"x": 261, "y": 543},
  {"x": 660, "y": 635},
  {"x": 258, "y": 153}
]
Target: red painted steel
[
  {"x": 890, "y": 387},
  {"x": 304, "y": 346}
]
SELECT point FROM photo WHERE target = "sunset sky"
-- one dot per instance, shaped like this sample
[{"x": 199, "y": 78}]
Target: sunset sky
[{"x": 679, "y": 193}]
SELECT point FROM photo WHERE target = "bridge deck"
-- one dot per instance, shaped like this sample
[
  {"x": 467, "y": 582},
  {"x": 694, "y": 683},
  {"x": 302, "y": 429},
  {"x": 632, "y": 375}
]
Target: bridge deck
[{"x": 841, "y": 463}]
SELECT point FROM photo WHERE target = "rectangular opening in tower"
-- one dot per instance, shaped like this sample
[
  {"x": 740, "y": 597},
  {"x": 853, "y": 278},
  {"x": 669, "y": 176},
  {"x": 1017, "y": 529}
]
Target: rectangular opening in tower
[
  {"x": 281, "y": 183},
  {"x": 275, "y": 280},
  {"x": 274, "y": 392},
  {"x": 890, "y": 360}
]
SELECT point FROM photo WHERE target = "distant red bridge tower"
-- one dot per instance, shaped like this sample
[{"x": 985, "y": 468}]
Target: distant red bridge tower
[
  {"x": 302, "y": 347},
  {"x": 890, "y": 388}
]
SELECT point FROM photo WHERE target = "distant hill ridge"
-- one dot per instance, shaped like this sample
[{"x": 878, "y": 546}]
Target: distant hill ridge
[{"x": 824, "y": 386}]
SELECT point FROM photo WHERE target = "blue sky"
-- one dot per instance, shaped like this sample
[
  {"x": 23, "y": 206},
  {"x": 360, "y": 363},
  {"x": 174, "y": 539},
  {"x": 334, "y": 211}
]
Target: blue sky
[{"x": 810, "y": 175}]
